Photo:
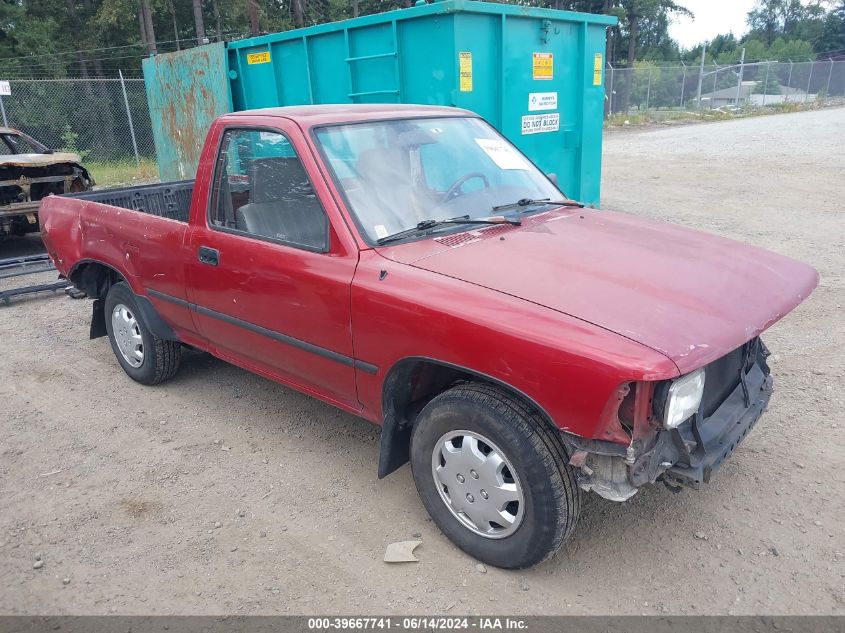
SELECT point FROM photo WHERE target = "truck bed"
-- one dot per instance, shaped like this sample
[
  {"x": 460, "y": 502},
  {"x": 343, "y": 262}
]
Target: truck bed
[{"x": 167, "y": 200}]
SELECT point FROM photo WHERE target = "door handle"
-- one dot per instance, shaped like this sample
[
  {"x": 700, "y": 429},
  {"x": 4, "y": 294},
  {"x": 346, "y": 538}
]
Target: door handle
[{"x": 210, "y": 256}]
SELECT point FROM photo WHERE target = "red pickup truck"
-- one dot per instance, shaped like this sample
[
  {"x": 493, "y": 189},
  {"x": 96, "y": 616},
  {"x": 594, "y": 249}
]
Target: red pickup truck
[{"x": 409, "y": 265}]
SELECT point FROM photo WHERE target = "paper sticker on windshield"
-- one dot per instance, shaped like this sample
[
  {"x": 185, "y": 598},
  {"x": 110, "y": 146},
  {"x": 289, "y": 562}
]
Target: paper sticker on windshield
[
  {"x": 380, "y": 231},
  {"x": 501, "y": 153}
]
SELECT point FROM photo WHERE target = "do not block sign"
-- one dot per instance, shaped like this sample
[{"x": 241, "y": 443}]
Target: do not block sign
[{"x": 538, "y": 123}]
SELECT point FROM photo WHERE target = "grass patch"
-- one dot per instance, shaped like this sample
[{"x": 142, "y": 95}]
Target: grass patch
[
  {"x": 788, "y": 106},
  {"x": 635, "y": 119},
  {"x": 123, "y": 172}
]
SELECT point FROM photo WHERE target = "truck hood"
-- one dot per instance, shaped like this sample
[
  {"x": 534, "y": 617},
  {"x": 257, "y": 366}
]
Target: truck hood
[
  {"x": 690, "y": 295},
  {"x": 39, "y": 160}
]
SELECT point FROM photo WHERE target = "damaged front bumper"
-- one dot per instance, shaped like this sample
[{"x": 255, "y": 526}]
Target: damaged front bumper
[
  {"x": 721, "y": 433},
  {"x": 690, "y": 454},
  {"x": 687, "y": 455}
]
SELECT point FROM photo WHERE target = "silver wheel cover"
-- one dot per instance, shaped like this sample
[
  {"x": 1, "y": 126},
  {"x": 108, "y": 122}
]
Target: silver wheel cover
[
  {"x": 478, "y": 484},
  {"x": 127, "y": 335}
]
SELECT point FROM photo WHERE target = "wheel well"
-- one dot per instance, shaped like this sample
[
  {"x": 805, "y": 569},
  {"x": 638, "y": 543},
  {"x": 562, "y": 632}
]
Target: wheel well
[
  {"x": 94, "y": 278},
  {"x": 410, "y": 385}
]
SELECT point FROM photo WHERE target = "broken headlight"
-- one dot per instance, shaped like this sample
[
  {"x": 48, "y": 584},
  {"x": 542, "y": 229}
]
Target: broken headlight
[{"x": 683, "y": 398}]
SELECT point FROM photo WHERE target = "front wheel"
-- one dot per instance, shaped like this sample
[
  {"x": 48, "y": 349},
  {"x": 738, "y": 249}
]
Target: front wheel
[
  {"x": 494, "y": 476},
  {"x": 143, "y": 356}
]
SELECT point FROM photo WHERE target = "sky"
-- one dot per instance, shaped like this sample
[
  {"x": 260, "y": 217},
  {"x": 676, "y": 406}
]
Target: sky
[{"x": 711, "y": 18}]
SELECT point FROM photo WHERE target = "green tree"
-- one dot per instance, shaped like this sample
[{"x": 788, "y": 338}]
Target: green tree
[{"x": 832, "y": 36}]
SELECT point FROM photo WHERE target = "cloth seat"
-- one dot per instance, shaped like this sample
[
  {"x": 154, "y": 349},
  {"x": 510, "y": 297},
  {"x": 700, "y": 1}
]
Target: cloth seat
[{"x": 282, "y": 204}]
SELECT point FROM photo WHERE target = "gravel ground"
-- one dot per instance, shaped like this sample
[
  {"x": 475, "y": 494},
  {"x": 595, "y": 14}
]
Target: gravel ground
[{"x": 221, "y": 492}]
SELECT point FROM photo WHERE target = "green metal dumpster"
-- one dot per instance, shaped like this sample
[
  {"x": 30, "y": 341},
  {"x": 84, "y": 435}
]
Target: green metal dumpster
[{"x": 536, "y": 74}]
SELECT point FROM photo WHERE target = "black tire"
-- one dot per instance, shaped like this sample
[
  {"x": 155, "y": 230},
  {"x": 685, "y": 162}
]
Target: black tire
[
  {"x": 160, "y": 357},
  {"x": 550, "y": 494}
]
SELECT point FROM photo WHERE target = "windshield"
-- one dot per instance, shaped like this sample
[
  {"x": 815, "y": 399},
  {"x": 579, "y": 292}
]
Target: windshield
[
  {"x": 22, "y": 145},
  {"x": 396, "y": 174}
]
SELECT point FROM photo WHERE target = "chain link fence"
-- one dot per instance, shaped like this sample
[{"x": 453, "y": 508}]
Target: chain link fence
[
  {"x": 651, "y": 88},
  {"x": 106, "y": 121}
]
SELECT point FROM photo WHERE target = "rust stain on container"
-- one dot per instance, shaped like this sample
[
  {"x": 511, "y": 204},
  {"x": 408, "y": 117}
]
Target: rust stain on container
[{"x": 186, "y": 91}]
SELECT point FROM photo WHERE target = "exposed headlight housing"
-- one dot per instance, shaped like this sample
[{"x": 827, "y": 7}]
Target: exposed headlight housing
[{"x": 683, "y": 399}]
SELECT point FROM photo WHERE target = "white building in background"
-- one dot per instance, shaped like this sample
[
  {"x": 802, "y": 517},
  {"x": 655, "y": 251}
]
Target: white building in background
[{"x": 728, "y": 96}]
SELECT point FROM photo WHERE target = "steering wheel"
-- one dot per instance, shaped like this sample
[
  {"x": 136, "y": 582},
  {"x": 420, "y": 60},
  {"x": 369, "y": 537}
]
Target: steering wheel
[{"x": 454, "y": 189}]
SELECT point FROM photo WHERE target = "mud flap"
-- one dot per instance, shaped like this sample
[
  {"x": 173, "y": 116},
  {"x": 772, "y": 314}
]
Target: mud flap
[
  {"x": 98, "y": 320},
  {"x": 395, "y": 447}
]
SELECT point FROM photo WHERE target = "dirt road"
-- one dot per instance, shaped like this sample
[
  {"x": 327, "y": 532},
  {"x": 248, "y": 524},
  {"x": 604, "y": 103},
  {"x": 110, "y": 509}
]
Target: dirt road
[{"x": 221, "y": 492}]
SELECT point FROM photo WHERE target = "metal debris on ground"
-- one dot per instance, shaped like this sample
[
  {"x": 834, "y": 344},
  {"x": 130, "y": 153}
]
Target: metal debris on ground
[
  {"x": 25, "y": 265},
  {"x": 31, "y": 264},
  {"x": 6, "y": 295}
]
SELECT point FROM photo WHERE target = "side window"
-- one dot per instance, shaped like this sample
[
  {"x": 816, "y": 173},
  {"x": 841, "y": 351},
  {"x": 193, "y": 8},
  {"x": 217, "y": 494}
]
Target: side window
[{"x": 261, "y": 189}]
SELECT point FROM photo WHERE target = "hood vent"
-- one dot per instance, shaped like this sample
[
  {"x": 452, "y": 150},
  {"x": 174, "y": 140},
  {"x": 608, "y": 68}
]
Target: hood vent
[
  {"x": 467, "y": 237},
  {"x": 457, "y": 239}
]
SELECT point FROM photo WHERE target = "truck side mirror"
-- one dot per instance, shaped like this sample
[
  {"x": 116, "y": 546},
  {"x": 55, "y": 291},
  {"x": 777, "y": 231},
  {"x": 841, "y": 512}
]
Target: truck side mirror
[{"x": 553, "y": 178}]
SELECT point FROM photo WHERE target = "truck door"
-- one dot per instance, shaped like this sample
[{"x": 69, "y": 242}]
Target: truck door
[{"x": 269, "y": 276}]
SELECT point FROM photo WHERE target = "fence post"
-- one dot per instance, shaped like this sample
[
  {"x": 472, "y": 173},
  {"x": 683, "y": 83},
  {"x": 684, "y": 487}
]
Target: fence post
[
  {"x": 766, "y": 84},
  {"x": 809, "y": 79},
  {"x": 610, "y": 105},
  {"x": 829, "y": 75},
  {"x": 129, "y": 116},
  {"x": 701, "y": 75},
  {"x": 3, "y": 110},
  {"x": 683, "y": 85},
  {"x": 648, "y": 89},
  {"x": 715, "y": 77},
  {"x": 789, "y": 80},
  {"x": 739, "y": 78}
]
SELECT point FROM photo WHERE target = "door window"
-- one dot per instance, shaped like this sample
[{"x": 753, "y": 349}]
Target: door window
[{"x": 262, "y": 190}]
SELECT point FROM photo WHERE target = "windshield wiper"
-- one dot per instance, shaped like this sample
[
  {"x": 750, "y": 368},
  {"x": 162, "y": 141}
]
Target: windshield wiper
[
  {"x": 528, "y": 202},
  {"x": 430, "y": 224}
]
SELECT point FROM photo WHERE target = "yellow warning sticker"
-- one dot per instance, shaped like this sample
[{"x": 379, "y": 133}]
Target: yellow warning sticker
[
  {"x": 597, "y": 69},
  {"x": 465, "y": 71},
  {"x": 258, "y": 58},
  {"x": 544, "y": 66}
]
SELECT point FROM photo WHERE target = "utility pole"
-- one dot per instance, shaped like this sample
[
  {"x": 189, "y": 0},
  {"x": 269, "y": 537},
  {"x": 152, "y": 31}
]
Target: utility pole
[
  {"x": 200, "y": 25},
  {"x": 218, "y": 28},
  {"x": 739, "y": 78},
  {"x": 147, "y": 31},
  {"x": 298, "y": 13},
  {"x": 701, "y": 74},
  {"x": 252, "y": 10},
  {"x": 175, "y": 25}
]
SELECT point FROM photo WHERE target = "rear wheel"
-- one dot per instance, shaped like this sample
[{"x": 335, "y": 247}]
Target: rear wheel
[
  {"x": 143, "y": 356},
  {"x": 494, "y": 476}
]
